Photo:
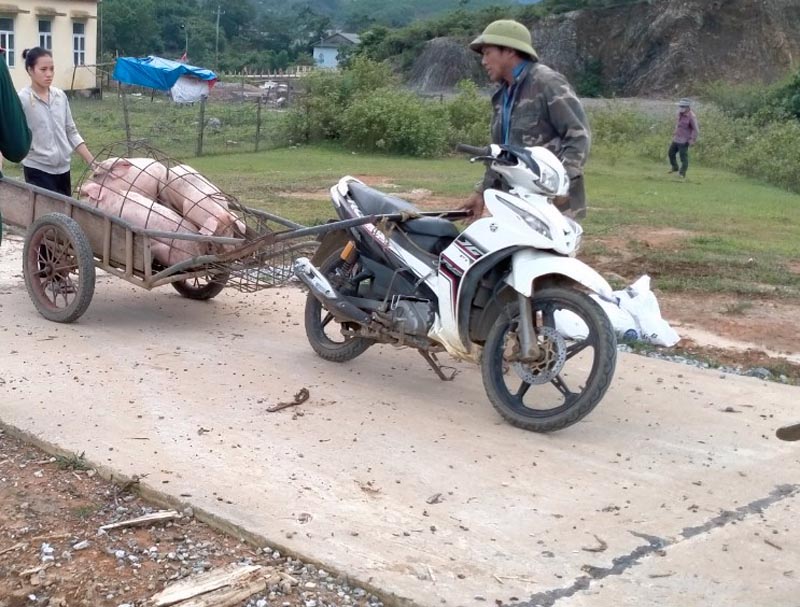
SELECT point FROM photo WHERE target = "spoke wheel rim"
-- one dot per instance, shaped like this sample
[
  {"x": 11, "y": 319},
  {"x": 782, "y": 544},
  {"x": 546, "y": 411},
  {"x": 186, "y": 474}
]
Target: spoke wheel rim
[{"x": 55, "y": 278}]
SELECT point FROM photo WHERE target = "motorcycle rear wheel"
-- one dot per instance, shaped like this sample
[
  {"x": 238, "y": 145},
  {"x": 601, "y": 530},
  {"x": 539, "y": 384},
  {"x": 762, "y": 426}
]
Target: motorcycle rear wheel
[
  {"x": 575, "y": 369},
  {"x": 322, "y": 329}
]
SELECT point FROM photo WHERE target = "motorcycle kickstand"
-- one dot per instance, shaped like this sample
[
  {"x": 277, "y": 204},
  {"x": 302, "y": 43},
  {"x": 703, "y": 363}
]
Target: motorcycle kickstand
[{"x": 431, "y": 359}]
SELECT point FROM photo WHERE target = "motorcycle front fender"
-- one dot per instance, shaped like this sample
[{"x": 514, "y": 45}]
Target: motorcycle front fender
[{"x": 529, "y": 265}]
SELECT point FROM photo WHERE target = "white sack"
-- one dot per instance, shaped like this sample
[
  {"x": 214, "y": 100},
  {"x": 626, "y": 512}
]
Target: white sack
[
  {"x": 640, "y": 302},
  {"x": 636, "y": 316}
]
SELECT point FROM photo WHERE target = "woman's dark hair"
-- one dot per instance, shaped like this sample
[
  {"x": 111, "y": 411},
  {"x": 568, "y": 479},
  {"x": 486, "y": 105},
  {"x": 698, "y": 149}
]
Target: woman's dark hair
[{"x": 32, "y": 55}]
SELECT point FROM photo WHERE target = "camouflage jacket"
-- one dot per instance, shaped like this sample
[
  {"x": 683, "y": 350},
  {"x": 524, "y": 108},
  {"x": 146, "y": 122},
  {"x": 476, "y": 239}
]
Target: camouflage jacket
[{"x": 544, "y": 111}]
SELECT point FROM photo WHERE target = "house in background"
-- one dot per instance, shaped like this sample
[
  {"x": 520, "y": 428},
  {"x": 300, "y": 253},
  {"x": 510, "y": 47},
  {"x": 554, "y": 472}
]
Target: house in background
[
  {"x": 68, "y": 28},
  {"x": 326, "y": 52}
]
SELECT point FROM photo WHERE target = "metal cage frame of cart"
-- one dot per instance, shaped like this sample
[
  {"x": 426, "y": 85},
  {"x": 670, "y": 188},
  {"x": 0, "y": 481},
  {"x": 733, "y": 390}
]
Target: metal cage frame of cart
[{"x": 90, "y": 238}]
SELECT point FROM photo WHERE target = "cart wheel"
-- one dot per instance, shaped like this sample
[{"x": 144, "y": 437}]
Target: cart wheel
[
  {"x": 58, "y": 266},
  {"x": 203, "y": 287}
]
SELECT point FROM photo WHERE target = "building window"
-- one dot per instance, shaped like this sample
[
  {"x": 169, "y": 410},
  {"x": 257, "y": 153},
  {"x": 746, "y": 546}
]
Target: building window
[
  {"x": 46, "y": 34},
  {"x": 7, "y": 39},
  {"x": 78, "y": 43}
]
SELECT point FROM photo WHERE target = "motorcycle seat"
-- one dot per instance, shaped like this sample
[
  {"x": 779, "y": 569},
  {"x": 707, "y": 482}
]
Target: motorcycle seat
[{"x": 374, "y": 202}]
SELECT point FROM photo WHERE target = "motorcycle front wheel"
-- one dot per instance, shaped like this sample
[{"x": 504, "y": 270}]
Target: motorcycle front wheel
[
  {"x": 578, "y": 353},
  {"x": 324, "y": 332}
]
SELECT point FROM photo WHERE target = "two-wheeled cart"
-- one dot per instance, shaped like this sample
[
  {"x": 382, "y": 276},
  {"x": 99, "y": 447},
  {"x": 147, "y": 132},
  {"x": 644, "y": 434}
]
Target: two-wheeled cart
[{"x": 67, "y": 239}]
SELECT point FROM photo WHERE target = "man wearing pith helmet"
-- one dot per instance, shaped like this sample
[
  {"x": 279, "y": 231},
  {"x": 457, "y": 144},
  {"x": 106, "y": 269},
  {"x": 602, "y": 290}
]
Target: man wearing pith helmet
[{"x": 534, "y": 105}]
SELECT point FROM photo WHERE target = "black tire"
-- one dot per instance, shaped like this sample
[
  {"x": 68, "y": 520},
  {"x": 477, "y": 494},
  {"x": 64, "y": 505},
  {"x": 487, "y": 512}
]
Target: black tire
[
  {"x": 317, "y": 319},
  {"x": 202, "y": 288},
  {"x": 58, "y": 265},
  {"x": 600, "y": 342}
]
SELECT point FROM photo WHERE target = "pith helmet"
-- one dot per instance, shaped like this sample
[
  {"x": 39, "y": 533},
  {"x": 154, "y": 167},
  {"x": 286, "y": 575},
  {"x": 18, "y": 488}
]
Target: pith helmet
[{"x": 508, "y": 33}]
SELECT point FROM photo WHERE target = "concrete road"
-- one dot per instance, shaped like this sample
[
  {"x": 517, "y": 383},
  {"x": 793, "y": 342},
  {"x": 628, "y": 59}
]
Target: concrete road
[{"x": 673, "y": 492}]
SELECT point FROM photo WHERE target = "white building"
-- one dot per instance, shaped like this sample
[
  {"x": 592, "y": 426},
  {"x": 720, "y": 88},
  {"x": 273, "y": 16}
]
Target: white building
[
  {"x": 326, "y": 52},
  {"x": 68, "y": 28}
]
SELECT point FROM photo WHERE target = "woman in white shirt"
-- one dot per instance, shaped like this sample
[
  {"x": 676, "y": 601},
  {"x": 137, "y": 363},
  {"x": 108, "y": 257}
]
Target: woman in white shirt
[{"x": 55, "y": 136}]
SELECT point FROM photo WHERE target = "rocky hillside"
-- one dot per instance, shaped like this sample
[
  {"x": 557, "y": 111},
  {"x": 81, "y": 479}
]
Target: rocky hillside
[
  {"x": 674, "y": 45},
  {"x": 666, "y": 47},
  {"x": 443, "y": 63}
]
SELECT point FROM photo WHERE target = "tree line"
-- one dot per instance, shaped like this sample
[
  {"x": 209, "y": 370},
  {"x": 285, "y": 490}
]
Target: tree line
[{"x": 255, "y": 34}]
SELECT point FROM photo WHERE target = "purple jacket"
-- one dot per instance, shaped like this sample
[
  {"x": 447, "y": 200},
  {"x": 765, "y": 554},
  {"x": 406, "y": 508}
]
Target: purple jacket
[{"x": 686, "y": 131}]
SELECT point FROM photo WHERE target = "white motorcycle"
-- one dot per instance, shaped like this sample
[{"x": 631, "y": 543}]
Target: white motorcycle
[{"x": 507, "y": 292}]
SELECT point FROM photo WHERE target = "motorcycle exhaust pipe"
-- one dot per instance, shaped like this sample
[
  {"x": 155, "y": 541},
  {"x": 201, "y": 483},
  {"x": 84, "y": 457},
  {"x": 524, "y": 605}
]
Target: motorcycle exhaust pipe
[{"x": 331, "y": 300}]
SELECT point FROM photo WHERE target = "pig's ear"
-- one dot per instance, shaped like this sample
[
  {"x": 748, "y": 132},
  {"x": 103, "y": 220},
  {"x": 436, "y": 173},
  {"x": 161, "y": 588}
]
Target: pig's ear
[
  {"x": 90, "y": 189},
  {"x": 121, "y": 167}
]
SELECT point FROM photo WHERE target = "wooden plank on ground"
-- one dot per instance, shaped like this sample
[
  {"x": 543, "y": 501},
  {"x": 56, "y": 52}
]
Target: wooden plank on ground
[
  {"x": 232, "y": 596},
  {"x": 147, "y": 519},
  {"x": 204, "y": 583}
]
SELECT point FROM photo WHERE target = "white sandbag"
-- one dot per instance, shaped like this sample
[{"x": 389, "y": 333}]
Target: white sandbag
[
  {"x": 624, "y": 324},
  {"x": 635, "y": 316},
  {"x": 640, "y": 302},
  {"x": 570, "y": 325}
]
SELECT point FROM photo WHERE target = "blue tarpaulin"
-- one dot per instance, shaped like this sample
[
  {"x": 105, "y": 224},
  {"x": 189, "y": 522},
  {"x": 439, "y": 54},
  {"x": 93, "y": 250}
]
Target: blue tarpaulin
[{"x": 156, "y": 72}]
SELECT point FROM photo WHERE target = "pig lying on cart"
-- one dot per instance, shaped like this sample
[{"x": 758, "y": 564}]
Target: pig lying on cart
[{"x": 148, "y": 194}]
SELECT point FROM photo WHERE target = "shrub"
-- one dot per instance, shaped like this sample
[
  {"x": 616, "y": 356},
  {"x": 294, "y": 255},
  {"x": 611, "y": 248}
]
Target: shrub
[
  {"x": 589, "y": 79},
  {"x": 363, "y": 76},
  {"x": 469, "y": 115},
  {"x": 766, "y": 151},
  {"x": 398, "y": 122},
  {"x": 316, "y": 115}
]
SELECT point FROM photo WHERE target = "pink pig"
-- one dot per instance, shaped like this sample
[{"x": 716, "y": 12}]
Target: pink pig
[
  {"x": 143, "y": 212},
  {"x": 143, "y": 175},
  {"x": 200, "y": 201}
]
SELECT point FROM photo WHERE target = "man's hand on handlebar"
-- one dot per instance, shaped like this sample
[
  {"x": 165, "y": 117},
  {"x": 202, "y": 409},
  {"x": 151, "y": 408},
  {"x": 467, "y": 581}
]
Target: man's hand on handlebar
[{"x": 475, "y": 205}]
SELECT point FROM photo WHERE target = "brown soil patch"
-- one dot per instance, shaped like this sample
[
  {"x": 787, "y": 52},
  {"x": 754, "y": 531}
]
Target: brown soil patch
[
  {"x": 766, "y": 325},
  {"x": 52, "y": 554},
  {"x": 738, "y": 331}
]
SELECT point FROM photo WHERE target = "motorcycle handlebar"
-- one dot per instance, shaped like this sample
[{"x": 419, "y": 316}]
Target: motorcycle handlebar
[{"x": 473, "y": 150}]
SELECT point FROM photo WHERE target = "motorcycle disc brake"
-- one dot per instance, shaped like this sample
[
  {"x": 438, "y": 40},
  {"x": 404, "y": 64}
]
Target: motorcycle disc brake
[{"x": 554, "y": 355}]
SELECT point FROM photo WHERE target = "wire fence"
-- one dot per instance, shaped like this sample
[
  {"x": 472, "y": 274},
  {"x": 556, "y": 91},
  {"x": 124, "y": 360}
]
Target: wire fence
[{"x": 219, "y": 125}]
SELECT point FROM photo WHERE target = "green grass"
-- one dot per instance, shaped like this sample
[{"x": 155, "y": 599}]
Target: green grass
[
  {"x": 294, "y": 182},
  {"x": 738, "y": 236},
  {"x": 741, "y": 235},
  {"x": 83, "y": 512},
  {"x": 73, "y": 461},
  {"x": 741, "y": 238}
]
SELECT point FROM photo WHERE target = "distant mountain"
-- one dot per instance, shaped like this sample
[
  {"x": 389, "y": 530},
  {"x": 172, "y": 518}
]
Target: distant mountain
[{"x": 361, "y": 14}]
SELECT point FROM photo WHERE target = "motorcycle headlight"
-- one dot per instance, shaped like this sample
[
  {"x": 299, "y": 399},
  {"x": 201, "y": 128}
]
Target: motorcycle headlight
[
  {"x": 532, "y": 220},
  {"x": 549, "y": 179},
  {"x": 537, "y": 224}
]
